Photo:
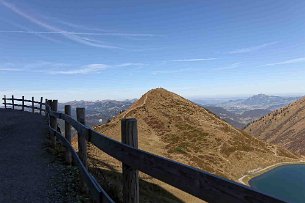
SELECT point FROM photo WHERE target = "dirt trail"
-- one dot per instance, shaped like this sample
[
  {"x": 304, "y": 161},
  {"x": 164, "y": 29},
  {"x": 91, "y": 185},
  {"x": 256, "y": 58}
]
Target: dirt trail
[
  {"x": 144, "y": 102},
  {"x": 26, "y": 168}
]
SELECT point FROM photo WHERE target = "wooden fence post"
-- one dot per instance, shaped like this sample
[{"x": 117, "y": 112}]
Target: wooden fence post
[
  {"x": 68, "y": 134},
  {"x": 54, "y": 105},
  {"x": 40, "y": 108},
  {"x": 46, "y": 102},
  {"x": 13, "y": 104},
  {"x": 129, "y": 133},
  {"x": 4, "y": 101},
  {"x": 47, "y": 111},
  {"x": 22, "y": 103},
  {"x": 33, "y": 110},
  {"x": 82, "y": 141}
]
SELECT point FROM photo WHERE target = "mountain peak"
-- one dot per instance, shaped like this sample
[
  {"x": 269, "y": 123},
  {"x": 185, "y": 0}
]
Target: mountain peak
[
  {"x": 174, "y": 127},
  {"x": 158, "y": 92},
  {"x": 260, "y": 95},
  {"x": 263, "y": 99},
  {"x": 158, "y": 89},
  {"x": 153, "y": 98}
]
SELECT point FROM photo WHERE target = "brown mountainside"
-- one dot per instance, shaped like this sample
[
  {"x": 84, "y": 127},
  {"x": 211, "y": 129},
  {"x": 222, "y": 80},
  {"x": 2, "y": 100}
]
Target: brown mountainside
[
  {"x": 284, "y": 127},
  {"x": 174, "y": 127}
]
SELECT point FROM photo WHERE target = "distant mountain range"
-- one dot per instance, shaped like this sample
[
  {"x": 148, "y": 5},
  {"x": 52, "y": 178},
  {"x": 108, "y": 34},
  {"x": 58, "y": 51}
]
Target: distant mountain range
[
  {"x": 237, "y": 112},
  {"x": 260, "y": 101},
  {"x": 98, "y": 112},
  {"x": 238, "y": 120},
  {"x": 240, "y": 112}
]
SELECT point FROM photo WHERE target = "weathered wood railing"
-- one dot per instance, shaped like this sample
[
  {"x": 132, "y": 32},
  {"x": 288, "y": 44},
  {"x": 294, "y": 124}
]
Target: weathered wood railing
[
  {"x": 22, "y": 101},
  {"x": 196, "y": 182}
]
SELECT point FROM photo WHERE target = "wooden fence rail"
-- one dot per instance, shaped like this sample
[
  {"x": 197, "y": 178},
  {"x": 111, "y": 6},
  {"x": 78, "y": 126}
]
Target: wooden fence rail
[
  {"x": 196, "y": 182},
  {"x": 32, "y": 106}
]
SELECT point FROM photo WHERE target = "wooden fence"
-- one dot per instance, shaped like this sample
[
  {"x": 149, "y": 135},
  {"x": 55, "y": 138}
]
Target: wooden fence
[
  {"x": 22, "y": 104},
  {"x": 201, "y": 184}
]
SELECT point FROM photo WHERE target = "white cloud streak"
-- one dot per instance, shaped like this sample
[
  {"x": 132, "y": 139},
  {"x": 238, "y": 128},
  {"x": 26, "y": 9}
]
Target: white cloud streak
[
  {"x": 10, "y": 69},
  {"x": 54, "y": 68},
  {"x": 229, "y": 67},
  {"x": 79, "y": 33},
  {"x": 25, "y": 30},
  {"x": 130, "y": 64},
  {"x": 43, "y": 64},
  {"x": 251, "y": 49},
  {"x": 91, "y": 68},
  {"x": 193, "y": 60},
  {"x": 159, "y": 72},
  {"x": 51, "y": 28},
  {"x": 290, "y": 61},
  {"x": 76, "y": 26}
]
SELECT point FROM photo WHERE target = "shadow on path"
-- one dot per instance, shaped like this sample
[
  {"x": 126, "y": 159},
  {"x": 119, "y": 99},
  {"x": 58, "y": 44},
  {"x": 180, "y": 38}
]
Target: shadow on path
[{"x": 27, "y": 169}]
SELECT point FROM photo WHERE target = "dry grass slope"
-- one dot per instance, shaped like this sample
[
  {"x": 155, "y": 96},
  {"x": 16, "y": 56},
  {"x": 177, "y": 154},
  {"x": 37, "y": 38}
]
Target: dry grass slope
[
  {"x": 284, "y": 127},
  {"x": 174, "y": 127}
]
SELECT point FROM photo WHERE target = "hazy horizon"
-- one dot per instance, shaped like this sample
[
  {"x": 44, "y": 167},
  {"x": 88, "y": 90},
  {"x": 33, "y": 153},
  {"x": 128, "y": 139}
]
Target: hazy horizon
[{"x": 62, "y": 98}]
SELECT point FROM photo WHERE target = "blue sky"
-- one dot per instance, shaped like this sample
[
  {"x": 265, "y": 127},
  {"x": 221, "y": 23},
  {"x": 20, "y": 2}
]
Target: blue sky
[{"x": 93, "y": 50}]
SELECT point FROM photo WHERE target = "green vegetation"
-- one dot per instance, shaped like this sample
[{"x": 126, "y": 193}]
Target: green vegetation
[{"x": 180, "y": 149}]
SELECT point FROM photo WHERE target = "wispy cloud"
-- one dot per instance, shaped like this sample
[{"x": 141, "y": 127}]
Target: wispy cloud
[
  {"x": 252, "y": 48},
  {"x": 78, "y": 33},
  {"x": 193, "y": 60},
  {"x": 9, "y": 69},
  {"x": 105, "y": 31},
  {"x": 290, "y": 61},
  {"x": 158, "y": 72},
  {"x": 130, "y": 64},
  {"x": 38, "y": 65},
  {"x": 27, "y": 30},
  {"x": 90, "y": 68},
  {"x": 51, "y": 28},
  {"x": 75, "y": 26},
  {"x": 229, "y": 67},
  {"x": 56, "y": 68}
]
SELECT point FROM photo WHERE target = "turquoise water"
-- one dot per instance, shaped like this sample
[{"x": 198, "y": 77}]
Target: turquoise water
[{"x": 284, "y": 182}]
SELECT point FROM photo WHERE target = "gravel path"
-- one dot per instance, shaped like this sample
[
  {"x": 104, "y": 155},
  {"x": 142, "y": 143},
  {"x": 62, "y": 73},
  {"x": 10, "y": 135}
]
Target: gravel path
[{"x": 26, "y": 168}]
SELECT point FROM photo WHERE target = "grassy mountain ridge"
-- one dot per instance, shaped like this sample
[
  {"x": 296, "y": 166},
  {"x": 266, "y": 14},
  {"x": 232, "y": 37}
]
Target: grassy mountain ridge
[
  {"x": 284, "y": 127},
  {"x": 174, "y": 127}
]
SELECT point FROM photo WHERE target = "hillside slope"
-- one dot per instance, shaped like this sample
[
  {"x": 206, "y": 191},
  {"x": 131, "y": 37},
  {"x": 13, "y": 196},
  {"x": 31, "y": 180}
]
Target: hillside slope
[
  {"x": 174, "y": 127},
  {"x": 284, "y": 127}
]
